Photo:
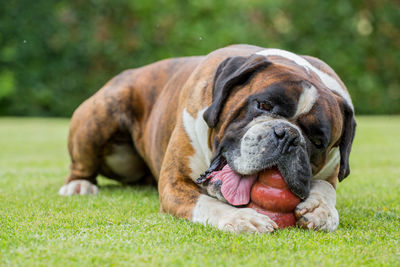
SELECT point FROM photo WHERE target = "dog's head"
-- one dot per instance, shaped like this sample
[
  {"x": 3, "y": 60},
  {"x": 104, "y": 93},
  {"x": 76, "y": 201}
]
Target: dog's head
[{"x": 280, "y": 111}]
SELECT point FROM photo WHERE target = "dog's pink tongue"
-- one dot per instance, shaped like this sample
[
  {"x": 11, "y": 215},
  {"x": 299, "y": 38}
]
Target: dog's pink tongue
[{"x": 235, "y": 188}]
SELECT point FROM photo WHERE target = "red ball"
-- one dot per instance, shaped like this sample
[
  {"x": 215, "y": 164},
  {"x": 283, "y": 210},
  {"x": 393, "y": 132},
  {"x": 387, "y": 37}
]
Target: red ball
[{"x": 271, "y": 196}]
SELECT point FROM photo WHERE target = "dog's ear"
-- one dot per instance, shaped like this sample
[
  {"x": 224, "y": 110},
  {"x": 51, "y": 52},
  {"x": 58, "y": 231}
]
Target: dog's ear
[
  {"x": 348, "y": 132},
  {"x": 231, "y": 72}
]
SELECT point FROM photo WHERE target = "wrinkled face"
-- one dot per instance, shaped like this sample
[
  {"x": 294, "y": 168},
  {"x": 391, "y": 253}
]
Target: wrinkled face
[
  {"x": 279, "y": 117},
  {"x": 283, "y": 125}
]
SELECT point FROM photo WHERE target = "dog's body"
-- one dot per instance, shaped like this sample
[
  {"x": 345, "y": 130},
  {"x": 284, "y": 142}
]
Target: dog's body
[{"x": 180, "y": 119}]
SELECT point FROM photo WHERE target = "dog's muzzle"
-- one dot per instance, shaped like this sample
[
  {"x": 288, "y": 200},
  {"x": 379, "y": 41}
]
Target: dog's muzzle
[
  {"x": 273, "y": 143},
  {"x": 287, "y": 138}
]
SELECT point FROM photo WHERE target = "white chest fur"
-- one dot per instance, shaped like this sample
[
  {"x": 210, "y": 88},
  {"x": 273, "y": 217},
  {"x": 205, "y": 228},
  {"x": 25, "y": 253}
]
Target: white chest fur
[{"x": 197, "y": 130}]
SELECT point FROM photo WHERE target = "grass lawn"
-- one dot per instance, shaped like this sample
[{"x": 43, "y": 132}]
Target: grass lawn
[{"x": 122, "y": 226}]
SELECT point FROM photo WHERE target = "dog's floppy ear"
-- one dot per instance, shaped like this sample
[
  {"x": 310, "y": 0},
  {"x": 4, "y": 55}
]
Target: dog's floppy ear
[
  {"x": 348, "y": 132},
  {"x": 231, "y": 72}
]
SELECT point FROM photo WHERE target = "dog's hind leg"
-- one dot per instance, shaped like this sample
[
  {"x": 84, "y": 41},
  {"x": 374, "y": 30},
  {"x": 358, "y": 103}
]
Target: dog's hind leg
[
  {"x": 91, "y": 127},
  {"x": 100, "y": 122}
]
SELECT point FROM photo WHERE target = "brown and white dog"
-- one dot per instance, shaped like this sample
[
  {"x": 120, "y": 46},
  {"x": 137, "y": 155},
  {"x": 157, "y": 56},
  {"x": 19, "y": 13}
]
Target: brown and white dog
[{"x": 249, "y": 107}]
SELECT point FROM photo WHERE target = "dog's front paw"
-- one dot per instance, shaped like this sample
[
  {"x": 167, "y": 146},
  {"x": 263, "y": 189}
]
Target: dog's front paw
[
  {"x": 78, "y": 187},
  {"x": 246, "y": 220},
  {"x": 318, "y": 211}
]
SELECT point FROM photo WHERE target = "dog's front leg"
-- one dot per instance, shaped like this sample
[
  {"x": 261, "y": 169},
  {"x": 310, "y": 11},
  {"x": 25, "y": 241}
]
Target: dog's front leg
[
  {"x": 225, "y": 217},
  {"x": 181, "y": 197},
  {"x": 318, "y": 211}
]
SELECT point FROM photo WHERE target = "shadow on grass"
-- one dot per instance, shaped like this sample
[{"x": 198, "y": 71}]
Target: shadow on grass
[{"x": 145, "y": 189}]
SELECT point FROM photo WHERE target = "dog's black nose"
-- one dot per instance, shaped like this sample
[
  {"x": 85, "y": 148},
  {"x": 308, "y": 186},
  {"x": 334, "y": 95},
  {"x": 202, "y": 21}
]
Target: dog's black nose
[{"x": 287, "y": 138}]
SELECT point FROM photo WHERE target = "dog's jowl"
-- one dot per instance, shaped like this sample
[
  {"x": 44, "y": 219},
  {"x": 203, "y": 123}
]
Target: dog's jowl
[{"x": 243, "y": 109}]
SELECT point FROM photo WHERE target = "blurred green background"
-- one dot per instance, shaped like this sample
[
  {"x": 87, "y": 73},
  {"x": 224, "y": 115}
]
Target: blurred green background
[{"x": 54, "y": 54}]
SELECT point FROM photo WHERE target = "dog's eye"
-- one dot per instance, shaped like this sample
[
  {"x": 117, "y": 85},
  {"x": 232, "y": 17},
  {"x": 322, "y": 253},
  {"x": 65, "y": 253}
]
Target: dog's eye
[
  {"x": 264, "y": 106},
  {"x": 317, "y": 142}
]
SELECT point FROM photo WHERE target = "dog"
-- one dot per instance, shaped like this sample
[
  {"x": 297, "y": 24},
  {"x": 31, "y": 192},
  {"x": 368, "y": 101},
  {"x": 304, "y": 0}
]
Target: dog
[{"x": 242, "y": 106}]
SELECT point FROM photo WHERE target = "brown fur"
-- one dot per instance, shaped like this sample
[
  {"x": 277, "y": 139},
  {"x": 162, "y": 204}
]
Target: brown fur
[{"x": 143, "y": 108}]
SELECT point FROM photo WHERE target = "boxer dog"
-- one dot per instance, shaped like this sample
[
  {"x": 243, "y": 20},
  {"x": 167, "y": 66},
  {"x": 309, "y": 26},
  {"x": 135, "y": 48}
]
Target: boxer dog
[{"x": 242, "y": 107}]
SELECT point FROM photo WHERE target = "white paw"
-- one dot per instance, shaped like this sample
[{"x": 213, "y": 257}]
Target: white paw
[
  {"x": 210, "y": 211},
  {"x": 318, "y": 211},
  {"x": 78, "y": 187},
  {"x": 246, "y": 220}
]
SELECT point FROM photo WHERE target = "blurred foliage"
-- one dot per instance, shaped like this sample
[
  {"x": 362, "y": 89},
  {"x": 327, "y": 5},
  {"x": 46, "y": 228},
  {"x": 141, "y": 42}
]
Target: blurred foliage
[{"x": 54, "y": 54}]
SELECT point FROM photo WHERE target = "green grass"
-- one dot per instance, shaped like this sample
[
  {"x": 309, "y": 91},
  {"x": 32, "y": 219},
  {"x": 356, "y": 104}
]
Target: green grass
[{"x": 122, "y": 226}]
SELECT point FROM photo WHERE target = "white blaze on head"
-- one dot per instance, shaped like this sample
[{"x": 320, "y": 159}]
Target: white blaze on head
[
  {"x": 329, "y": 81},
  {"x": 197, "y": 130},
  {"x": 306, "y": 100}
]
